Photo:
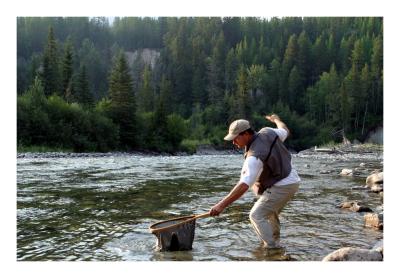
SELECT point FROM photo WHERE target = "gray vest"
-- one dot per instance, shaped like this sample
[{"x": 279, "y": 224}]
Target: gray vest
[{"x": 276, "y": 159}]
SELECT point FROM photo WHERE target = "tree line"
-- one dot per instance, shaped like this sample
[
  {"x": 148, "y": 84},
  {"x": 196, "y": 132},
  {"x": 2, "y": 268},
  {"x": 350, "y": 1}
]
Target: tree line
[{"x": 80, "y": 86}]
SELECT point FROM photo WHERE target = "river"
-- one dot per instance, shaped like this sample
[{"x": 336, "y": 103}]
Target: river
[{"x": 100, "y": 208}]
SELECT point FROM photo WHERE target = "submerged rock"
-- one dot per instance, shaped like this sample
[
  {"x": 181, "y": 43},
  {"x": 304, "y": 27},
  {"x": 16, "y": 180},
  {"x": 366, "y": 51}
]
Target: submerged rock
[
  {"x": 378, "y": 246},
  {"x": 376, "y": 188},
  {"x": 355, "y": 206},
  {"x": 354, "y": 254},
  {"x": 374, "y": 220},
  {"x": 346, "y": 172},
  {"x": 374, "y": 178}
]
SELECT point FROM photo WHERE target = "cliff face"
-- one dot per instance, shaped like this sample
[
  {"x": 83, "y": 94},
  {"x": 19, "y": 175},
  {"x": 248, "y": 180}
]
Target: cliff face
[{"x": 148, "y": 56}]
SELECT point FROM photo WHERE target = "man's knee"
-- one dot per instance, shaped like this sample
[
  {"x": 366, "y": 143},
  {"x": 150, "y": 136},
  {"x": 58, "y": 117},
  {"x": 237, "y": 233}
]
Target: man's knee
[{"x": 259, "y": 214}]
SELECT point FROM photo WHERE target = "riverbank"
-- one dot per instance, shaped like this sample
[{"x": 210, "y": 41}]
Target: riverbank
[
  {"x": 345, "y": 148},
  {"x": 44, "y": 152}
]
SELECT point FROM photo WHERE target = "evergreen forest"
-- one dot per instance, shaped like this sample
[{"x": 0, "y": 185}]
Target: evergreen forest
[{"x": 170, "y": 84}]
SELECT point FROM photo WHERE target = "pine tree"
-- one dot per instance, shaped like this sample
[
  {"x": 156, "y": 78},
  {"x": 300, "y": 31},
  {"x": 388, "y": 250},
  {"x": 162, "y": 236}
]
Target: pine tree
[
  {"x": 145, "y": 96},
  {"x": 242, "y": 98},
  {"x": 274, "y": 73},
  {"x": 303, "y": 58},
  {"x": 295, "y": 90},
  {"x": 377, "y": 76},
  {"x": 51, "y": 74},
  {"x": 123, "y": 106},
  {"x": 215, "y": 74},
  {"x": 166, "y": 95},
  {"x": 289, "y": 60},
  {"x": 365, "y": 93},
  {"x": 83, "y": 95},
  {"x": 231, "y": 67},
  {"x": 67, "y": 71}
]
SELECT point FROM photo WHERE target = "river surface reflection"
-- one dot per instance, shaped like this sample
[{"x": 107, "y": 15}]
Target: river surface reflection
[{"x": 100, "y": 208}]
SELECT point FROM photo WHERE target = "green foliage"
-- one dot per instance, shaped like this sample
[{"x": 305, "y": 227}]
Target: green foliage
[
  {"x": 319, "y": 74},
  {"x": 67, "y": 72},
  {"x": 123, "y": 104},
  {"x": 83, "y": 94},
  {"x": 56, "y": 124},
  {"x": 51, "y": 71},
  {"x": 176, "y": 130}
]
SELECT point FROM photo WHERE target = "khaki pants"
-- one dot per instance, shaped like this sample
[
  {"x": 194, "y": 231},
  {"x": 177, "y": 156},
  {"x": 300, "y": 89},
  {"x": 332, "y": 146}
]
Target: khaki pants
[{"x": 265, "y": 213}]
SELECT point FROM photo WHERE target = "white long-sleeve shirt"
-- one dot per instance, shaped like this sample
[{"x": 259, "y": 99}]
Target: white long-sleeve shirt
[{"x": 252, "y": 167}]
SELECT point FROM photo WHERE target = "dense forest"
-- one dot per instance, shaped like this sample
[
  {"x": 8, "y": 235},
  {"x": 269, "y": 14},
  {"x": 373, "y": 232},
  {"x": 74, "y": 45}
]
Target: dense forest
[{"x": 170, "y": 84}]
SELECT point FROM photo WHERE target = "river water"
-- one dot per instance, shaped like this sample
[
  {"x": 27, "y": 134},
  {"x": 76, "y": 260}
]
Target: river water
[{"x": 100, "y": 208}]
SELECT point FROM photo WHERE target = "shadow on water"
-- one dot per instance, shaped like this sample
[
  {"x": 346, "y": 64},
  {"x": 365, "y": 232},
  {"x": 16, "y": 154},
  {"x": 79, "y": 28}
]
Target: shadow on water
[{"x": 100, "y": 209}]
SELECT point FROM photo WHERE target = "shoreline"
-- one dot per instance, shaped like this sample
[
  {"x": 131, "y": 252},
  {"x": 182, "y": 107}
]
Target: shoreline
[{"x": 205, "y": 150}]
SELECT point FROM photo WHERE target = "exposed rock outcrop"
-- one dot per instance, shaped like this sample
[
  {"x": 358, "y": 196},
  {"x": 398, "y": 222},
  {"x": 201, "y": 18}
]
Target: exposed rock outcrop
[
  {"x": 354, "y": 254},
  {"x": 355, "y": 206},
  {"x": 374, "y": 179},
  {"x": 374, "y": 220}
]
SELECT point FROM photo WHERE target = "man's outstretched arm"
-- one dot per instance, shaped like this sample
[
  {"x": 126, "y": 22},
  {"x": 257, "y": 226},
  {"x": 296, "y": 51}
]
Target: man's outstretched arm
[
  {"x": 235, "y": 194},
  {"x": 276, "y": 120}
]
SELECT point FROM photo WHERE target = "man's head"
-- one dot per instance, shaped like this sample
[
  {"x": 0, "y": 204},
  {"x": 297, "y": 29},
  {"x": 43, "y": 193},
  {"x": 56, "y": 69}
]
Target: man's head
[{"x": 240, "y": 132}]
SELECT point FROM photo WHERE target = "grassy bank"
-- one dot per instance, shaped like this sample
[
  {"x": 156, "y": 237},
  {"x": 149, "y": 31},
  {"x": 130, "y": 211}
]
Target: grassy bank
[{"x": 42, "y": 149}]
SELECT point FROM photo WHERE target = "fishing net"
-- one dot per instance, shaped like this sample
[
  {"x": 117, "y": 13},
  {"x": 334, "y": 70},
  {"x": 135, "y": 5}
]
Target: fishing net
[{"x": 176, "y": 234}]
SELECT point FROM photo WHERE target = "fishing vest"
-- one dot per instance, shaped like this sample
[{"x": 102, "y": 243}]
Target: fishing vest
[{"x": 266, "y": 146}]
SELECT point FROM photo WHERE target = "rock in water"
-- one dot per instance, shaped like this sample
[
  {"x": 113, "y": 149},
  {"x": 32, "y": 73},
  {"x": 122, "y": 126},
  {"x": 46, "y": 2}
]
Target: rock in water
[
  {"x": 376, "y": 188},
  {"x": 355, "y": 206},
  {"x": 378, "y": 246},
  {"x": 354, "y": 254},
  {"x": 374, "y": 220},
  {"x": 376, "y": 178},
  {"x": 346, "y": 172}
]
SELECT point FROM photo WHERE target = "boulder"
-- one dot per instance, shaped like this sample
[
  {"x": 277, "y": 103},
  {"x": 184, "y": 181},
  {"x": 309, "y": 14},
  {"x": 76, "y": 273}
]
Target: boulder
[
  {"x": 376, "y": 188},
  {"x": 375, "y": 178},
  {"x": 374, "y": 220},
  {"x": 354, "y": 254},
  {"x": 346, "y": 172},
  {"x": 355, "y": 206}
]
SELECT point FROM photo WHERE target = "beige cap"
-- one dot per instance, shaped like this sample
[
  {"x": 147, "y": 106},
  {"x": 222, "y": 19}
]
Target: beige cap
[{"x": 235, "y": 128}]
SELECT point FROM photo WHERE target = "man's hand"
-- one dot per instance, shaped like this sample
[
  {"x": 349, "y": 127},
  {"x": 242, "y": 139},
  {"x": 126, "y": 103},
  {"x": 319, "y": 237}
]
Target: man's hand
[
  {"x": 216, "y": 210},
  {"x": 276, "y": 120},
  {"x": 272, "y": 118},
  {"x": 235, "y": 194}
]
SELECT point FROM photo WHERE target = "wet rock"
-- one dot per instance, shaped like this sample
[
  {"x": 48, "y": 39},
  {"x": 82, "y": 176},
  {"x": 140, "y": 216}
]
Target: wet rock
[
  {"x": 358, "y": 187},
  {"x": 378, "y": 246},
  {"x": 374, "y": 220},
  {"x": 346, "y": 172},
  {"x": 354, "y": 254},
  {"x": 325, "y": 171},
  {"x": 374, "y": 178},
  {"x": 376, "y": 188},
  {"x": 355, "y": 206}
]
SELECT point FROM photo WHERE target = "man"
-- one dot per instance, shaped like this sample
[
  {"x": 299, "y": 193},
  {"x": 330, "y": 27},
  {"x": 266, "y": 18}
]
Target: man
[{"x": 268, "y": 169}]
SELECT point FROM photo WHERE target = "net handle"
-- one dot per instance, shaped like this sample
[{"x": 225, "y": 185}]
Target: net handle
[
  {"x": 152, "y": 230},
  {"x": 207, "y": 214}
]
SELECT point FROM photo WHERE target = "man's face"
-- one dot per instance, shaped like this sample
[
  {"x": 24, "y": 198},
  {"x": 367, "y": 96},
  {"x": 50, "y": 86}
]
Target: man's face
[{"x": 241, "y": 140}]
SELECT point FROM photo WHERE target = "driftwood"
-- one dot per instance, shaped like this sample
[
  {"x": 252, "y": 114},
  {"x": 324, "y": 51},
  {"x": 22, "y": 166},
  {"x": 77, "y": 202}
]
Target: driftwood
[{"x": 327, "y": 150}]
